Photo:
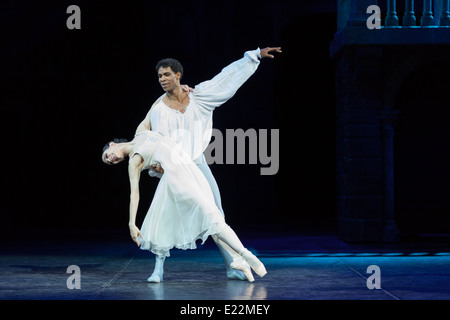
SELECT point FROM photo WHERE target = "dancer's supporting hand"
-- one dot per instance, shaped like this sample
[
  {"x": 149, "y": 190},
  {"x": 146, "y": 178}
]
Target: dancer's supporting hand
[
  {"x": 265, "y": 53},
  {"x": 135, "y": 232},
  {"x": 157, "y": 167},
  {"x": 186, "y": 88}
]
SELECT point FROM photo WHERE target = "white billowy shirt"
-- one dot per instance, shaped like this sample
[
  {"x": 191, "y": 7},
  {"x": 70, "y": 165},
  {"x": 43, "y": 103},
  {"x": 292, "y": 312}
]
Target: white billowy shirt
[{"x": 192, "y": 130}]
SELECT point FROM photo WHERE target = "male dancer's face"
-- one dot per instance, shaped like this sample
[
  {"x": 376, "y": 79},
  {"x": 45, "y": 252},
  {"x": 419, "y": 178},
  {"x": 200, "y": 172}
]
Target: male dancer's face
[{"x": 168, "y": 79}]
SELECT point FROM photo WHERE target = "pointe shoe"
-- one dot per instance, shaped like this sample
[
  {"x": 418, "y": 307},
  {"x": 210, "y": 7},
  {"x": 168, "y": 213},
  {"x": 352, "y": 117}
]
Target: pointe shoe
[
  {"x": 254, "y": 263},
  {"x": 244, "y": 267}
]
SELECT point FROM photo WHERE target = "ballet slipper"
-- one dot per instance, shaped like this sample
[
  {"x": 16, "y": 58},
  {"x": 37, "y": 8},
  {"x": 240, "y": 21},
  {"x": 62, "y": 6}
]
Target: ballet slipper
[
  {"x": 155, "y": 278},
  {"x": 157, "y": 275},
  {"x": 234, "y": 274},
  {"x": 254, "y": 263}
]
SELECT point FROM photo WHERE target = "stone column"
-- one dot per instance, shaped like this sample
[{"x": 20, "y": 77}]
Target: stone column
[{"x": 359, "y": 151}]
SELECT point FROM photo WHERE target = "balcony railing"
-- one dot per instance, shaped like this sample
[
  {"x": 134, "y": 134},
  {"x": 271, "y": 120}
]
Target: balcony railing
[
  {"x": 432, "y": 25},
  {"x": 428, "y": 18}
]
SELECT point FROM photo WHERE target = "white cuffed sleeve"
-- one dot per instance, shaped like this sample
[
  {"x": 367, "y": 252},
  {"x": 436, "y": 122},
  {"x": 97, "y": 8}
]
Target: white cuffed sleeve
[
  {"x": 152, "y": 173},
  {"x": 215, "y": 92}
]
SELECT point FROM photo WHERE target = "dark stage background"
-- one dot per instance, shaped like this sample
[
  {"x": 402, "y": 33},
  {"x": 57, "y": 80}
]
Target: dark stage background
[{"x": 65, "y": 93}]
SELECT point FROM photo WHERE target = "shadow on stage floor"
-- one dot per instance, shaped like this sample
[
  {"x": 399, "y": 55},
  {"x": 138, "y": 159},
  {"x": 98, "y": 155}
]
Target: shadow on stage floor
[{"x": 302, "y": 265}]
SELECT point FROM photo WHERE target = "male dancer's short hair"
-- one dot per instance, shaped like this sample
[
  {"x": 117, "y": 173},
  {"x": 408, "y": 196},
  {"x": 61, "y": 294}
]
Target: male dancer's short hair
[{"x": 174, "y": 64}]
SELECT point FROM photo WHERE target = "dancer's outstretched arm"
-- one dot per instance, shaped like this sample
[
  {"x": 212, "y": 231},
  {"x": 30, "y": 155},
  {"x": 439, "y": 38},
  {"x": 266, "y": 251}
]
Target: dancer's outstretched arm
[
  {"x": 135, "y": 166},
  {"x": 213, "y": 93}
]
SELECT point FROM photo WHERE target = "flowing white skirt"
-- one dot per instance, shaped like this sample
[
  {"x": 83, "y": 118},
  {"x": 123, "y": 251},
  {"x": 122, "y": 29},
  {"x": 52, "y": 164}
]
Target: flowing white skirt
[{"x": 183, "y": 208}]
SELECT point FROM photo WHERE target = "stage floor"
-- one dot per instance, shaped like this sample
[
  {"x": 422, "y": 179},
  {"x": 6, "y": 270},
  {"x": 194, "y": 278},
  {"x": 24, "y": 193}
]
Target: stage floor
[{"x": 300, "y": 267}]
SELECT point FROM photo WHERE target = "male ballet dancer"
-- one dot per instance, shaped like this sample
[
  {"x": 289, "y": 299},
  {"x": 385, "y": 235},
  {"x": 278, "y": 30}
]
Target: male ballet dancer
[{"x": 186, "y": 117}]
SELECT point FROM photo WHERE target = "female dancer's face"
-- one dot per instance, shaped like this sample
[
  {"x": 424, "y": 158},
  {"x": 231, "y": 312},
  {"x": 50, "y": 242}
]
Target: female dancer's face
[{"x": 113, "y": 155}]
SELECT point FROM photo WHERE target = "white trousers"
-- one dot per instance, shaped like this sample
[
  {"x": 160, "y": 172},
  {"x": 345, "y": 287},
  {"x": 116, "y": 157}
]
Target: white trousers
[
  {"x": 204, "y": 168},
  {"x": 227, "y": 252}
]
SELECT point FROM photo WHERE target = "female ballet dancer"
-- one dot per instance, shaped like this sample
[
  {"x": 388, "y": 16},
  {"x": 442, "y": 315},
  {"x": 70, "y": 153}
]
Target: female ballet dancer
[{"x": 183, "y": 209}]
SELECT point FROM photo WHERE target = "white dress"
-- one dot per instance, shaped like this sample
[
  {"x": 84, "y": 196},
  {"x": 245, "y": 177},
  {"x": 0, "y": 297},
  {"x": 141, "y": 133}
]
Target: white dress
[{"x": 183, "y": 209}]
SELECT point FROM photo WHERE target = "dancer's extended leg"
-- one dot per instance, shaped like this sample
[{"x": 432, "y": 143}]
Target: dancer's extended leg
[
  {"x": 157, "y": 275},
  {"x": 228, "y": 236}
]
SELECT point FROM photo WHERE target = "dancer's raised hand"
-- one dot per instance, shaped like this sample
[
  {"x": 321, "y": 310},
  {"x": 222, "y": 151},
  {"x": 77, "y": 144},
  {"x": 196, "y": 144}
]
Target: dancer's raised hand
[{"x": 265, "y": 53}]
